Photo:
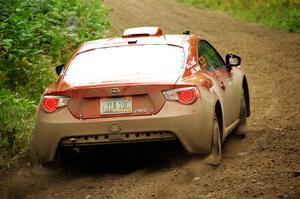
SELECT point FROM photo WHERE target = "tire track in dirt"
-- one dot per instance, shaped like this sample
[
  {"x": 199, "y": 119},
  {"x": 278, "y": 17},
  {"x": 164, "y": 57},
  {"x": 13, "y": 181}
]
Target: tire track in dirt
[{"x": 262, "y": 165}]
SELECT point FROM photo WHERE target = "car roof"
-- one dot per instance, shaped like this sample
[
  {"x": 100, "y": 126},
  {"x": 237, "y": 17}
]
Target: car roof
[{"x": 177, "y": 40}]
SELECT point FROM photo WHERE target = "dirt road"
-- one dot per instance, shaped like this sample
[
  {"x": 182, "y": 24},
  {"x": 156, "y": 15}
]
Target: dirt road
[{"x": 266, "y": 164}]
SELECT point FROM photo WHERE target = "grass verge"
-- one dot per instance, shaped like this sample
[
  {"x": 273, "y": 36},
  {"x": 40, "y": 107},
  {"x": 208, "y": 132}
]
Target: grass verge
[{"x": 284, "y": 14}]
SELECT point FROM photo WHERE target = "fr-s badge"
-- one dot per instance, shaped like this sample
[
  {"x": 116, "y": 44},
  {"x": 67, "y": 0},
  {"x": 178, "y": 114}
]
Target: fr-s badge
[{"x": 140, "y": 110}]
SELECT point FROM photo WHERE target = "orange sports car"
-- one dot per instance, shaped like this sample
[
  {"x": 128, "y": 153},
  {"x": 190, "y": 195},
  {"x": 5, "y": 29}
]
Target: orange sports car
[{"x": 145, "y": 86}]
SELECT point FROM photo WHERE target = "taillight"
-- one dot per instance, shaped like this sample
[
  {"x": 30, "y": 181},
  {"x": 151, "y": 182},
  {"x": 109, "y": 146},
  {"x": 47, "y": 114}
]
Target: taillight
[
  {"x": 51, "y": 103},
  {"x": 186, "y": 95}
]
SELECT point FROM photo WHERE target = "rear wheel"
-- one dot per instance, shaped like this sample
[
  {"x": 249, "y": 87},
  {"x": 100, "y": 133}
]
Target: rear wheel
[
  {"x": 59, "y": 160},
  {"x": 240, "y": 130},
  {"x": 214, "y": 158}
]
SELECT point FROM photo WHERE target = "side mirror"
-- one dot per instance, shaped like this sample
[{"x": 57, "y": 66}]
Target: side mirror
[
  {"x": 59, "y": 68},
  {"x": 232, "y": 61}
]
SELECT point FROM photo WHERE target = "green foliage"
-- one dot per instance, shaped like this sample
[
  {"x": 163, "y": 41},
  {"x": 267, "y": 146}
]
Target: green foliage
[
  {"x": 274, "y": 13},
  {"x": 35, "y": 36},
  {"x": 16, "y": 123}
]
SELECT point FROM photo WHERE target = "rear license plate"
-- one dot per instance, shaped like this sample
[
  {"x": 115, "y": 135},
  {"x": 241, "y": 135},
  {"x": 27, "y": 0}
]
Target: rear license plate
[{"x": 116, "y": 106}]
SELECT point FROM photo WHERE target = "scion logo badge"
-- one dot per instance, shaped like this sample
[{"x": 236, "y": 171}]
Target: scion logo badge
[
  {"x": 114, "y": 91},
  {"x": 115, "y": 127}
]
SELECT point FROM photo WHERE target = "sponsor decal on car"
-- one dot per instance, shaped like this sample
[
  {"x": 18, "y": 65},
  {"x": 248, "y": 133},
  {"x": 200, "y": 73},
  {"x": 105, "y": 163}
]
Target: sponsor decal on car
[
  {"x": 212, "y": 89},
  {"x": 192, "y": 66}
]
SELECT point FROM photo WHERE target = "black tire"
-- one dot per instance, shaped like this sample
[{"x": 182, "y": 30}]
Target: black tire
[
  {"x": 58, "y": 162},
  {"x": 241, "y": 128},
  {"x": 214, "y": 158}
]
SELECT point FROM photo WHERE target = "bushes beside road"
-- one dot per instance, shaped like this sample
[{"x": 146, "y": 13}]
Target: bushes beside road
[{"x": 35, "y": 36}]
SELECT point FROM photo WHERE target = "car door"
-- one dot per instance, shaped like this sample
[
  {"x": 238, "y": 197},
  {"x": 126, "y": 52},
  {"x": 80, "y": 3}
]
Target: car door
[{"x": 212, "y": 62}]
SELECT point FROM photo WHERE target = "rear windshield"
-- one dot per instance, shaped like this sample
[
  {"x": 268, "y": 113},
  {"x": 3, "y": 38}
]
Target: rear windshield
[{"x": 125, "y": 63}]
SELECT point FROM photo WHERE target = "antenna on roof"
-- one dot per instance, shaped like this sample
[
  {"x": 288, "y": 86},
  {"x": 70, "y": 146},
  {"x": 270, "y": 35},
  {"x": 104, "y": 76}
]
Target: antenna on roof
[{"x": 187, "y": 32}]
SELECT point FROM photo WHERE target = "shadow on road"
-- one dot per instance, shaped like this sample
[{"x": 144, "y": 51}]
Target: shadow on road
[
  {"x": 123, "y": 158},
  {"x": 107, "y": 163}
]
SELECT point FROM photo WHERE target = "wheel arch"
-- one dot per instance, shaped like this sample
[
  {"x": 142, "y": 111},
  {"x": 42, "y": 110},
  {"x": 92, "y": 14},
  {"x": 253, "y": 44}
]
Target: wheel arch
[{"x": 247, "y": 95}]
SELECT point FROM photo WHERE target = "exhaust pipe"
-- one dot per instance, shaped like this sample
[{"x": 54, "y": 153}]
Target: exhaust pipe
[{"x": 75, "y": 152}]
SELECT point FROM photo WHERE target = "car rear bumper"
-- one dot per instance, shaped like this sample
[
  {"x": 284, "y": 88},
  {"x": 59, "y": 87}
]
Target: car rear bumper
[{"x": 191, "y": 125}]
